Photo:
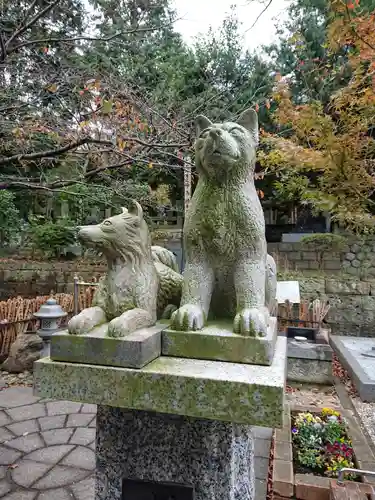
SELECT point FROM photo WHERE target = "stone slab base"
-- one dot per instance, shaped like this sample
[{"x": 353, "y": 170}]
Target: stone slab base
[
  {"x": 309, "y": 362},
  {"x": 212, "y": 460},
  {"x": 232, "y": 392},
  {"x": 133, "y": 351},
  {"x": 360, "y": 368},
  {"x": 218, "y": 342}
]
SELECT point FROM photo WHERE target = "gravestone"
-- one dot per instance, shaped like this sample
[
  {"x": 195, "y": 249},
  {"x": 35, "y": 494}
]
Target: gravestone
[
  {"x": 357, "y": 355},
  {"x": 177, "y": 398}
]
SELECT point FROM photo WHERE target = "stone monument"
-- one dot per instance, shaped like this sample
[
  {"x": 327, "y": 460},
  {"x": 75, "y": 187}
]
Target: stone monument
[{"x": 176, "y": 401}]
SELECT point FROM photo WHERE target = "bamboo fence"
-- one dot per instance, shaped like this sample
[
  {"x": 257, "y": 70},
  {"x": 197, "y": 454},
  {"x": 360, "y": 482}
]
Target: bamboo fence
[
  {"x": 16, "y": 314},
  {"x": 305, "y": 314}
]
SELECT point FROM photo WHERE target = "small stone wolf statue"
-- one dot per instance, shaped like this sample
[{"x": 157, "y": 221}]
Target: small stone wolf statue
[
  {"x": 228, "y": 273},
  {"x": 141, "y": 284}
]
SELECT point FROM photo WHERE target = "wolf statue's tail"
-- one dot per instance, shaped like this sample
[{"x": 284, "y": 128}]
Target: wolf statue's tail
[{"x": 164, "y": 256}]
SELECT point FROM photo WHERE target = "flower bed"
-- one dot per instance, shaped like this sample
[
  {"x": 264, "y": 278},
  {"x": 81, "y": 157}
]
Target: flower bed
[
  {"x": 321, "y": 444},
  {"x": 291, "y": 478}
]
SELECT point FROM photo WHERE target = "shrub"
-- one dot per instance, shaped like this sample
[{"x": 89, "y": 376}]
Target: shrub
[
  {"x": 10, "y": 221},
  {"x": 52, "y": 237}
]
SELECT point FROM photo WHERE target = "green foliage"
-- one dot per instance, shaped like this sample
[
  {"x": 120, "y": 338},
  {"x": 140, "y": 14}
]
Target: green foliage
[
  {"x": 10, "y": 221},
  {"x": 324, "y": 242},
  {"x": 51, "y": 238}
]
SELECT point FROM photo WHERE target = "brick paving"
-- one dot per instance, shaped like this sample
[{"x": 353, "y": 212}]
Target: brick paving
[{"x": 47, "y": 449}]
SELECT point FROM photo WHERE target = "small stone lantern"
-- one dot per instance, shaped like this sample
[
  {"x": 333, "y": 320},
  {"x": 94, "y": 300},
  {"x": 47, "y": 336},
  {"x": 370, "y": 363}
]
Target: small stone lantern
[{"x": 49, "y": 314}]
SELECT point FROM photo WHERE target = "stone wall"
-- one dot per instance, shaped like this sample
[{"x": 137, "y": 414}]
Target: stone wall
[
  {"x": 29, "y": 279},
  {"x": 352, "y": 302},
  {"x": 356, "y": 259}
]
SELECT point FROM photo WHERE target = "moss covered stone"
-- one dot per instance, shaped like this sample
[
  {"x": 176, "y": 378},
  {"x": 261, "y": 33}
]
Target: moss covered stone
[
  {"x": 218, "y": 342},
  {"x": 214, "y": 390},
  {"x": 133, "y": 351}
]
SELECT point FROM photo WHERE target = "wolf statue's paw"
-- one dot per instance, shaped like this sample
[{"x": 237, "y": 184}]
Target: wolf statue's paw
[
  {"x": 188, "y": 317},
  {"x": 168, "y": 311},
  {"x": 251, "y": 322},
  {"x": 86, "y": 320}
]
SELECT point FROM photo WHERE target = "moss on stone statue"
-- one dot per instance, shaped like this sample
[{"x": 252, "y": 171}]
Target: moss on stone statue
[
  {"x": 217, "y": 342},
  {"x": 204, "y": 389}
]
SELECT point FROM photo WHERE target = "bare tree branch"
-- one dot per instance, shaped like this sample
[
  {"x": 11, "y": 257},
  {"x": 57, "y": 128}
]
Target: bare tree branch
[
  {"x": 259, "y": 16},
  {"x": 32, "y": 21}
]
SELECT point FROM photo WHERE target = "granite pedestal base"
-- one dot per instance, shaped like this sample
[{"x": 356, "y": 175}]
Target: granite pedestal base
[{"x": 212, "y": 460}]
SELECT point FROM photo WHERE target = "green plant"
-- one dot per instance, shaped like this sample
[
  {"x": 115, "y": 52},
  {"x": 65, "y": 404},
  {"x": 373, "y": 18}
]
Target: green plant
[
  {"x": 323, "y": 242},
  {"x": 10, "y": 221},
  {"x": 52, "y": 237},
  {"x": 309, "y": 457},
  {"x": 321, "y": 442}
]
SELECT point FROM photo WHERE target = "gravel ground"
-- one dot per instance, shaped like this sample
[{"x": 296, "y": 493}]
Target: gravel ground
[
  {"x": 366, "y": 412},
  {"x": 312, "y": 395},
  {"x": 11, "y": 379}
]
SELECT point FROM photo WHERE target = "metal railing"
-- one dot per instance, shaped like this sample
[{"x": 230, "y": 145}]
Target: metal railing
[
  {"x": 342, "y": 472},
  {"x": 76, "y": 284}
]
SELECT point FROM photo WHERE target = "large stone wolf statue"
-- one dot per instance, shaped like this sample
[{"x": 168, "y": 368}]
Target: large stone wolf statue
[
  {"x": 228, "y": 273},
  {"x": 142, "y": 282}
]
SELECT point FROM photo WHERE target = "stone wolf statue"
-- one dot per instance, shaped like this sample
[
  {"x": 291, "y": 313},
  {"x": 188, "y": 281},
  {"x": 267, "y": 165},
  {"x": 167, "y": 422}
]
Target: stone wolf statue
[
  {"x": 228, "y": 273},
  {"x": 142, "y": 282}
]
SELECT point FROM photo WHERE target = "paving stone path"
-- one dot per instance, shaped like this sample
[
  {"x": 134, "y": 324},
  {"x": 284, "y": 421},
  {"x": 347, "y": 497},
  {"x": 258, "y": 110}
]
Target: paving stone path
[{"x": 47, "y": 449}]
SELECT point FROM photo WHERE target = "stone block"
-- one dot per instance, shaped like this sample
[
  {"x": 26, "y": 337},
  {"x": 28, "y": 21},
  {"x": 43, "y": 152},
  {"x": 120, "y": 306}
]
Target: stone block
[
  {"x": 133, "y": 351},
  {"x": 292, "y": 256},
  {"x": 215, "y": 459},
  {"x": 347, "y": 287},
  {"x": 305, "y": 350},
  {"x": 312, "y": 286},
  {"x": 286, "y": 247},
  {"x": 309, "y": 256},
  {"x": 250, "y": 394},
  {"x": 303, "y": 265},
  {"x": 283, "y": 483},
  {"x": 350, "y": 256},
  {"x": 314, "y": 265},
  {"x": 309, "y": 362},
  {"x": 309, "y": 371},
  {"x": 283, "y": 451},
  {"x": 217, "y": 342},
  {"x": 360, "y": 368},
  {"x": 332, "y": 265},
  {"x": 309, "y": 487},
  {"x": 355, "y": 248}
]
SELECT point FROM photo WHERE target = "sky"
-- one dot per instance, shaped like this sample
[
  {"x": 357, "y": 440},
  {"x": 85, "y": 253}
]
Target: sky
[{"x": 198, "y": 15}]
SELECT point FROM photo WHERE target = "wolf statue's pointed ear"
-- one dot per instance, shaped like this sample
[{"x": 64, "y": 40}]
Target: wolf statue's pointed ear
[
  {"x": 136, "y": 209},
  {"x": 201, "y": 123},
  {"x": 124, "y": 210},
  {"x": 249, "y": 120}
]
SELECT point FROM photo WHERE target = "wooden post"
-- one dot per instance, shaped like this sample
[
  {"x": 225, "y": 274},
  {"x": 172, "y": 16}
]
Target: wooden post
[
  {"x": 187, "y": 183},
  {"x": 187, "y": 198}
]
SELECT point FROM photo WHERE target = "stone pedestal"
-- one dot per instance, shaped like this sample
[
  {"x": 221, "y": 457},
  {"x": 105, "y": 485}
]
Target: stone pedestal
[
  {"x": 213, "y": 460},
  {"x": 177, "y": 428}
]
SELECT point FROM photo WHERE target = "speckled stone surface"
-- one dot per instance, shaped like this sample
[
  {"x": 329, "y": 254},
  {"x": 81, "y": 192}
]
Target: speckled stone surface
[
  {"x": 351, "y": 352},
  {"x": 217, "y": 341},
  {"x": 249, "y": 394},
  {"x": 216, "y": 458},
  {"x": 133, "y": 351}
]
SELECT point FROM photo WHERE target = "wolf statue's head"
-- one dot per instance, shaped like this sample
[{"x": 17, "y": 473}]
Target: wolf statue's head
[
  {"x": 226, "y": 150},
  {"x": 124, "y": 237}
]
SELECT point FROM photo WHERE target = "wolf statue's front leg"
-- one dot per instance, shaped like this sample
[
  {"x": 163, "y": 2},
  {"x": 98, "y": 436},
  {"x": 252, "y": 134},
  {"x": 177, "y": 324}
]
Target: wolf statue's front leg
[
  {"x": 86, "y": 320},
  {"x": 196, "y": 295},
  {"x": 129, "y": 322},
  {"x": 249, "y": 278}
]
